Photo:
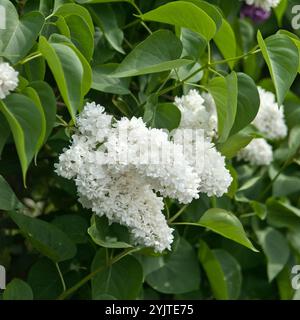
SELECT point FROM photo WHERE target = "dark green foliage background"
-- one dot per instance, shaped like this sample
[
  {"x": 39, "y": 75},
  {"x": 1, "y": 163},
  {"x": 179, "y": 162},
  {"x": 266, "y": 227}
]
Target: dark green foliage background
[{"x": 122, "y": 54}]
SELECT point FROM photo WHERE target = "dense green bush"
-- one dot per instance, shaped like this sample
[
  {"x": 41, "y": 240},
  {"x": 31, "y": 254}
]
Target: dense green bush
[{"x": 134, "y": 58}]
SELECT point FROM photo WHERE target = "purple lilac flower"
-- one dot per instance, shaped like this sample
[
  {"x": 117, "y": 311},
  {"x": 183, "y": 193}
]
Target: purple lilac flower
[{"x": 257, "y": 14}]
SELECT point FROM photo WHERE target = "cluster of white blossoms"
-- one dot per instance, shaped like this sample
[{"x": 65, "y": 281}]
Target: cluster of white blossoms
[
  {"x": 271, "y": 123},
  {"x": 8, "y": 79},
  {"x": 258, "y": 153},
  {"x": 270, "y": 117},
  {"x": 114, "y": 177},
  {"x": 199, "y": 113},
  {"x": 151, "y": 154},
  {"x": 264, "y": 4},
  {"x": 122, "y": 169}
]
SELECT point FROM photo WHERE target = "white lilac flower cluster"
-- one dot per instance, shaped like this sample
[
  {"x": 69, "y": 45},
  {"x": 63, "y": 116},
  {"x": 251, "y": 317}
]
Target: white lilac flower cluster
[
  {"x": 271, "y": 123},
  {"x": 8, "y": 79},
  {"x": 120, "y": 166},
  {"x": 258, "y": 153},
  {"x": 199, "y": 113},
  {"x": 264, "y": 4},
  {"x": 270, "y": 117},
  {"x": 114, "y": 177}
]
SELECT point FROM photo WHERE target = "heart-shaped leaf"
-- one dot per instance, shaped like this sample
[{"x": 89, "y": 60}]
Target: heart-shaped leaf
[
  {"x": 18, "y": 289},
  {"x": 19, "y": 36},
  {"x": 184, "y": 14},
  {"x": 223, "y": 272},
  {"x": 25, "y": 121},
  {"x": 282, "y": 58},
  {"x": 225, "y": 92},
  {"x": 45, "y": 237},
  {"x": 161, "y": 51},
  {"x": 67, "y": 70}
]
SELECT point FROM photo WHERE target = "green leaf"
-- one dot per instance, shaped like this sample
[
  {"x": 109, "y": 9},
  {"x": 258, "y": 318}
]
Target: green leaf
[
  {"x": 250, "y": 183},
  {"x": 150, "y": 263},
  {"x": 108, "y": 235},
  {"x": 18, "y": 290},
  {"x": 234, "y": 184},
  {"x": 226, "y": 42},
  {"x": 286, "y": 185},
  {"x": 149, "y": 108},
  {"x": 223, "y": 272},
  {"x": 12, "y": 16},
  {"x": 209, "y": 9},
  {"x": 35, "y": 69},
  {"x": 281, "y": 214},
  {"x": 186, "y": 15},
  {"x": 67, "y": 70},
  {"x": 280, "y": 11},
  {"x": 106, "y": 19},
  {"x": 293, "y": 238},
  {"x": 166, "y": 116},
  {"x": 73, "y": 9},
  {"x": 276, "y": 249},
  {"x": 226, "y": 224},
  {"x": 24, "y": 36},
  {"x": 26, "y": 126},
  {"x": 122, "y": 280},
  {"x": 45, "y": 237},
  {"x": 232, "y": 272},
  {"x": 294, "y": 38},
  {"x": 33, "y": 95},
  {"x": 283, "y": 281},
  {"x": 8, "y": 199},
  {"x": 224, "y": 92},
  {"x": 294, "y": 140},
  {"x": 74, "y": 226},
  {"x": 247, "y": 103},
  {"x": 44, "y": 280},
  {"x": 187, "y": 71},
  {"x": 87, "y": 70},
  {"x": 193, "y": 44},
  {"x": 4, "y": 132},
  {"x": 63, "y": 27},
  {"x": 103, "y": 81},
  {"x": 159, "y": 52},
  {"x": 20, "y": 35},
  {"x": 260, "y": 209},
  {"x": 236, "y": 142},
  {"x": 48, "y": 102},
  {"x": 180, "y": 272},
  {"x": 45, "y": 7},
  {"x": 81, "y": 35},
  {"x": 282, "y": 58}
]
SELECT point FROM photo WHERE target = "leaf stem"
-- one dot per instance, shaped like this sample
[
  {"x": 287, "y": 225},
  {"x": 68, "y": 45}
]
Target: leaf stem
[
  {"x": 131, "y": 24},
  {"x": 61, "y": 277},
  {"x": 62, "y": 121},
  {"x": 235, "y": 58},
  {"x": 30, "y": 57},
  {"x": 197, "y": 85},
  {"x": 178, "y": 213},
  {"x": 215, "y": 72},
  {"x": 208, "y": 53},
  {"x": 162, "y": 92},
  {"x": 247, "y": 215},
  {"x": 187, "y": 224},
  {"x": 167, "y": 209},
  {"x": 91, "y": 275},
  {"x": 284, "y": 166},
  {"x": 140, "y": 13}
]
